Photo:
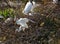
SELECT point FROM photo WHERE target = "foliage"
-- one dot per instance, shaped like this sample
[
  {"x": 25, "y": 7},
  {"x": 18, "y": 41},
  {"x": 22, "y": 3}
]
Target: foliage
[{"x": 7, "y": 13}]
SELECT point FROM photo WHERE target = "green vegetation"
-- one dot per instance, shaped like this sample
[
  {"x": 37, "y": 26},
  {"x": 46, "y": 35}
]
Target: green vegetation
[{"x": 7, "y": 13}]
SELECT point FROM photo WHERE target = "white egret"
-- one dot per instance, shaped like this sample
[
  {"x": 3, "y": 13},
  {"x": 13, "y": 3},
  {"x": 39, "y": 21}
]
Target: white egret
[
  {"x": 23, "y": 23},
  {"x": 29, "y": 7}
]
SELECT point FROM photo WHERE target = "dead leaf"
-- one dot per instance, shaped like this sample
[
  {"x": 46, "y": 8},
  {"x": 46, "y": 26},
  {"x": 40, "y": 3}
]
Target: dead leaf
[
  {"x": 4, "y": 38},
  {"x": 42, "y": 24}
]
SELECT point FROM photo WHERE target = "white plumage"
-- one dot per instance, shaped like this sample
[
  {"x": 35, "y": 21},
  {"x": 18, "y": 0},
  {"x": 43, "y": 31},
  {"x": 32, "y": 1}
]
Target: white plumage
[
  {"x": 27, "y": 8},
  {"x": 23, "y": 23},
  {"x": 34, "y": 5}
]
